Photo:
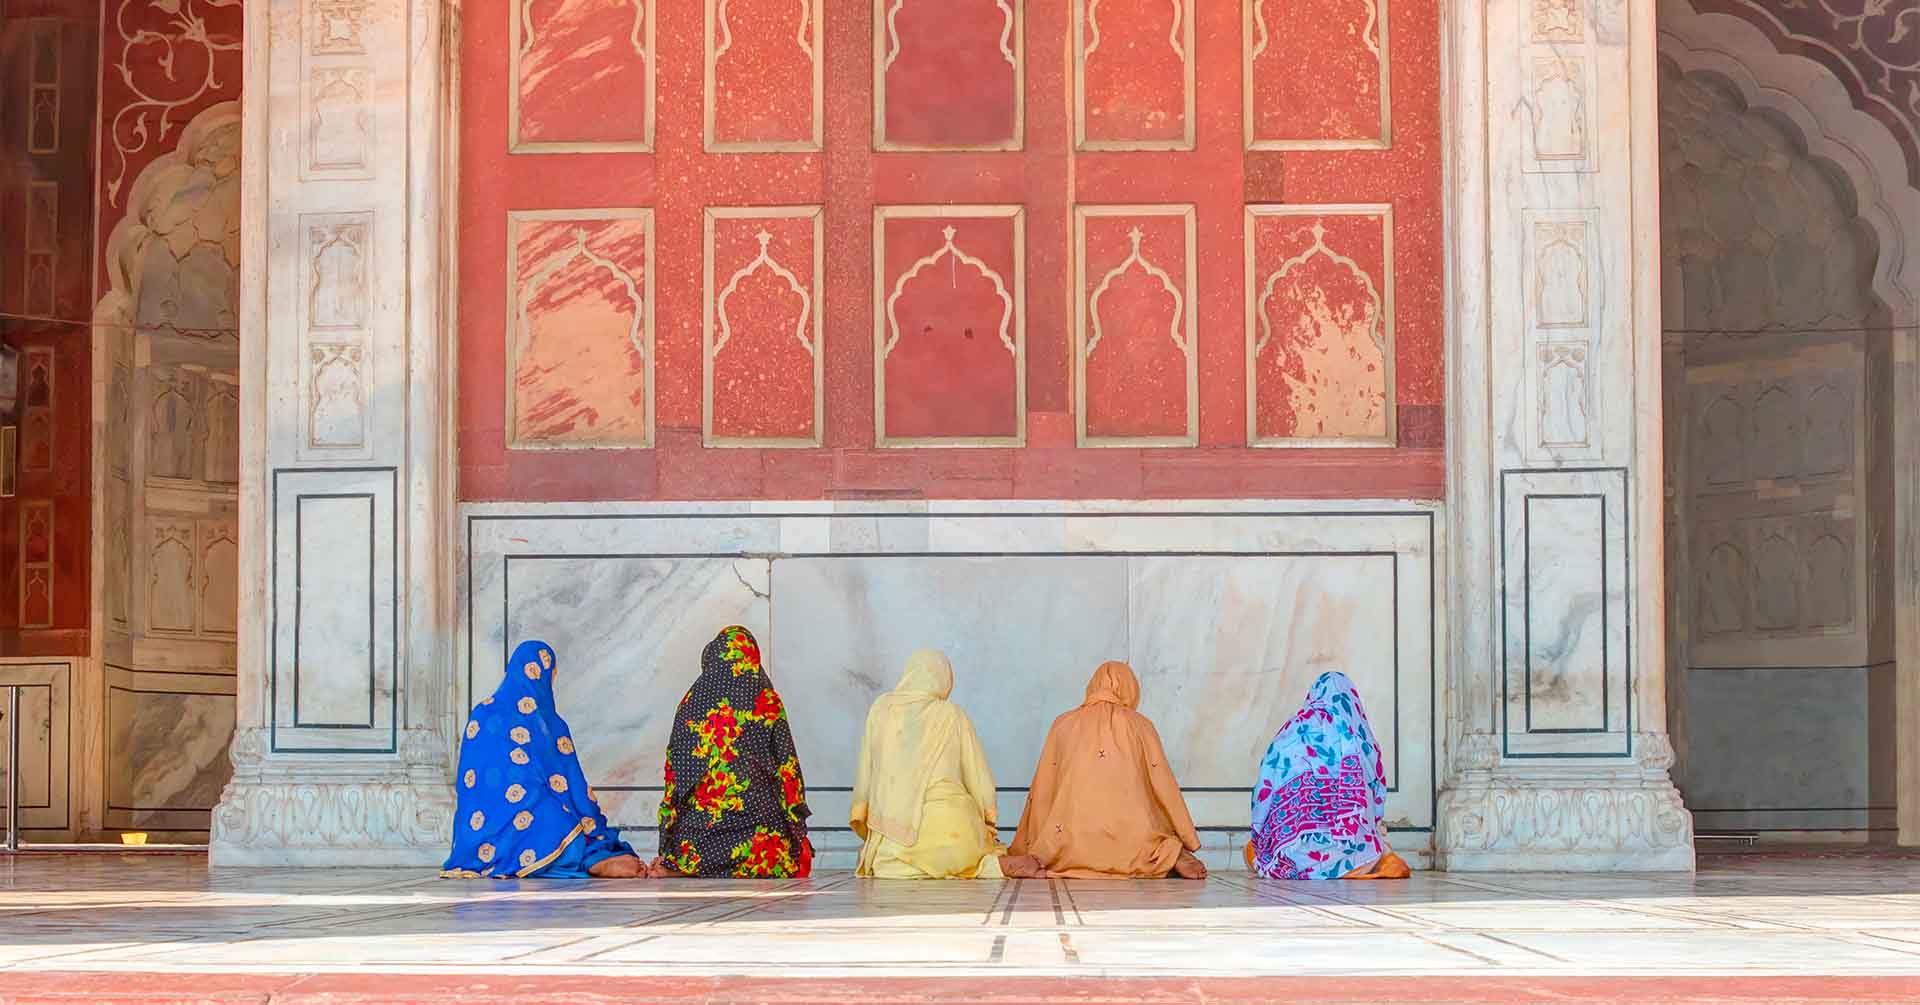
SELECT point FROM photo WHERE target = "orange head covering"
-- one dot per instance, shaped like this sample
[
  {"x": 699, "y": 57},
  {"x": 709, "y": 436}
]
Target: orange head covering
[
  {"x": 1114, "y": 682},
  {"x": 1104, "y": 803}
]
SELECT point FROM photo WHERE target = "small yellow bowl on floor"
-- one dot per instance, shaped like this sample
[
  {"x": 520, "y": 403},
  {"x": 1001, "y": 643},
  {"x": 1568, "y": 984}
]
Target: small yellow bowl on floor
[{"x": 133, "y": 838}]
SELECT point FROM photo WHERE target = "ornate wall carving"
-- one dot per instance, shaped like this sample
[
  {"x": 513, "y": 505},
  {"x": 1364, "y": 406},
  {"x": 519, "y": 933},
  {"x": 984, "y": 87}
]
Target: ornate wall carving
[
  {"x": 950, "y": 329},
  {"x": 164, "y": 63},
  {"x": 765, "y": 285},
  {"x": 1136, "y": 332},
  {"x": 1759, "y": 233},
  {"x": 1868, "y": 47},
  {"x": 765, "y": 76},
  {"x": 949, "y": 76}
]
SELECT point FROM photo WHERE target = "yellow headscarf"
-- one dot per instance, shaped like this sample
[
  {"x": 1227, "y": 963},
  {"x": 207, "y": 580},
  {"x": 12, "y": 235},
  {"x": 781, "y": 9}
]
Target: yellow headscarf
[{"x": 908, "y": 731}]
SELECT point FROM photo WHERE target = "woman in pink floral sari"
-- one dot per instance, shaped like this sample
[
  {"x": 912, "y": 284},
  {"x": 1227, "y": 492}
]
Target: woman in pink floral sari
[{"x": 1322, "y": 794}]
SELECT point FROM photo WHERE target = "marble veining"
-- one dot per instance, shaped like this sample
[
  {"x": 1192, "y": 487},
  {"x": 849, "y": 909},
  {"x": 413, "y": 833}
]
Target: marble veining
[
  {"x": 1227, "y": 613},
  {"x": 168, "y": 751}
]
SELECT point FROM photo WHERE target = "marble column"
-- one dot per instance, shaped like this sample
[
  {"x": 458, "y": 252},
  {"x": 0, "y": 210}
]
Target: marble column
[
  {"x": 1557, "y": 756},
  {"x": 345, "y": 738}
]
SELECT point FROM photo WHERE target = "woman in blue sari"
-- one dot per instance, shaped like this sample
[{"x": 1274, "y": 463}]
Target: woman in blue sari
[{"x": 524, "y": 807}]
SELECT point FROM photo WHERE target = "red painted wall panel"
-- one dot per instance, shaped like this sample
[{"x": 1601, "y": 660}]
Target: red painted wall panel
[
  {"x": 49, "y": 69},
  {"x": 1133, "y": 115}
]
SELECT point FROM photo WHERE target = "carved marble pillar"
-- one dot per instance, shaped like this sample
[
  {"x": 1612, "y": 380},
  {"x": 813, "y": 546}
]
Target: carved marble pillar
[
  {"x": 1557, "y": 753},
  {"x": 343, "y": 751}
]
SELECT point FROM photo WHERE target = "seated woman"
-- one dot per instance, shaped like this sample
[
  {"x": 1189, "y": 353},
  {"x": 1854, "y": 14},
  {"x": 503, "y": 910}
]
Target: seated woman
[
  {"x": 735, "y": 803},
  {"x": 1104, "y": 804},
  {"x": 1322, "y": 794},
  {"x": 523, "y": 807},
  {"x": 923, "y": 797}
]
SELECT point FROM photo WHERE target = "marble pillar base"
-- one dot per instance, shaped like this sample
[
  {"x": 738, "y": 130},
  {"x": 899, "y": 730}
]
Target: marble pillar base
[
  {"x": 319, "y": 811},
  {"x": 1565, "y": 816}
]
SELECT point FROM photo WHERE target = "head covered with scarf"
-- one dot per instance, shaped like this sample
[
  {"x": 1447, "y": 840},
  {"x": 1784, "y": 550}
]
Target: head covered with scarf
[
  {"x": 911, "y": 731},
  {"x": 1322, "y": 792},
  {"x": 1104, "y": 801},
  {"x": 735, "y": 801},
  {"x": 523, "y": 806}
]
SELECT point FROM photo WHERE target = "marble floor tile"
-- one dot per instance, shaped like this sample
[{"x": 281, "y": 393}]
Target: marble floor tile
[{"x": 171, "y": 915}]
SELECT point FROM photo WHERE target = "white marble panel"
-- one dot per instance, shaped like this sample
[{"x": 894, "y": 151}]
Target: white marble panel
[
  {"x": 628, "y": 634},
  {"x": 1776, "y": 749},
  {"x": 1230, "y": 645},
  {"x": 1024, "y": 635},
  {"x": 1226, "y": 608},
  {"x": 1565, "y": 611},
  {"x": 333, "y": 636},
  {"x": 45, "y": 714},
  {"x": 334, "y": 568},
  {"x": 1566, "y": 648},
  {"x": 167, "y": 740}
]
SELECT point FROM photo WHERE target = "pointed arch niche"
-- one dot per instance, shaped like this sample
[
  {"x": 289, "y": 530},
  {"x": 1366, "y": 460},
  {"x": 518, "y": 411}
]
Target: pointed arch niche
[
  {"x": 165, "y": 493},
  {"x": 1849, "y": 374}
]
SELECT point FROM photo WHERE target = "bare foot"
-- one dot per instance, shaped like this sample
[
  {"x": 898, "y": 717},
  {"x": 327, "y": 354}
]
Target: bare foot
[
  {"x": 623, "y": 867},
  {"x": 1022, "y": 867},
  {"x": 661, "y": 870},
  {"x": 1188, "y": 867}
]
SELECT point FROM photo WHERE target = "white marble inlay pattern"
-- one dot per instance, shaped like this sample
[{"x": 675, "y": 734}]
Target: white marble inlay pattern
[
  {"x": 334, "y": 632},
  {"x": 1566, "y": 611}
]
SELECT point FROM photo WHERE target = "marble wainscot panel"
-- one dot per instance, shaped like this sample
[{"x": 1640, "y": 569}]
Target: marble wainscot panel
[
  {"x": 167, "y": 741},
  {"x": 1227, "y": 609},
  {"x": 1754, "y": 766},
  {"x": 1566, "y": 607}
]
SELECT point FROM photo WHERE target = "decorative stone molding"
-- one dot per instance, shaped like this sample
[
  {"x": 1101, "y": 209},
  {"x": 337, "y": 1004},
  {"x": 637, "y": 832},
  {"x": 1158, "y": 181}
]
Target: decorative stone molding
[
  {"x": 1879, "y": 163},
  {"x": 296, "y": 817},
  {"x": 1870, "y": 46},
  {"x": 177, "y": 199},
  {"x": 1507, "y": 826},
  {"x": 1807, "y": 94},
  {"x": 335, "y": 811}
]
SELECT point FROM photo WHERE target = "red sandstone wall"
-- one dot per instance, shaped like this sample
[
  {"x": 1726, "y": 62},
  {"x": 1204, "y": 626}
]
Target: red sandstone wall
[
  {"x": 48, "y": 65},
  {"x": 161, "y": 64},
  {"x": 1046, "y": 284}
]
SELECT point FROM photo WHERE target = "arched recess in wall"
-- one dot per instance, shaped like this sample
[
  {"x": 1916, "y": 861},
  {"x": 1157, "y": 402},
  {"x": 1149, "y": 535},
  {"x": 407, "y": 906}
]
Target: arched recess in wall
[
  {"x": 1800, "y": 91},
  {"x": 174, "y": 260},
  {"x": 1816, "y": 284},
  {"x": 165, "y": 478},
  {"x": 172, "y": 263}
]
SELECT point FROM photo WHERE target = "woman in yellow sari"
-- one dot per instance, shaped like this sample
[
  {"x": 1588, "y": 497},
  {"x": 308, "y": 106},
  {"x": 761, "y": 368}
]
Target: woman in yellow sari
[{"x": 923, "y": 797}]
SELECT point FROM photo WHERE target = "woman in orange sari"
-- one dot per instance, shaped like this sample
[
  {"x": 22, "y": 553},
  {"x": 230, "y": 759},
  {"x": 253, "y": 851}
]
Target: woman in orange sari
[{"x": 1104, "y": 804}]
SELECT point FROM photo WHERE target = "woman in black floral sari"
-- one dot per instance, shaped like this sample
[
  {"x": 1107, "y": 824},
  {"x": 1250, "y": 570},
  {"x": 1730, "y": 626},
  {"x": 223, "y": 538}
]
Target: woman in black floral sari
[{"x": 735, "y": 804}]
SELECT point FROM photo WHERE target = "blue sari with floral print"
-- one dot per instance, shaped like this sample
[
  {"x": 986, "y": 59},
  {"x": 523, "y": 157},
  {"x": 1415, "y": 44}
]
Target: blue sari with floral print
[{"x": 524, "y": 807}]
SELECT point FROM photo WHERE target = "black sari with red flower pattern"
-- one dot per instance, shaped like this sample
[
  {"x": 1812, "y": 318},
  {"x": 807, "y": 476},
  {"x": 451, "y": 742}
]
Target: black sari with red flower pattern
[{"x": 735, "y": 803}]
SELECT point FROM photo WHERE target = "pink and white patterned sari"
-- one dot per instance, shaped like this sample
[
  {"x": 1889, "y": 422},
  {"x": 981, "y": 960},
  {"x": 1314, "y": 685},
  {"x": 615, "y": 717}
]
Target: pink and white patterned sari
[{"x": 1322, "y": 793}]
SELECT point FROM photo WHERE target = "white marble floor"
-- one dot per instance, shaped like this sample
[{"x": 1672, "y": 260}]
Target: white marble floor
[{"x": 170, "y": 914}]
